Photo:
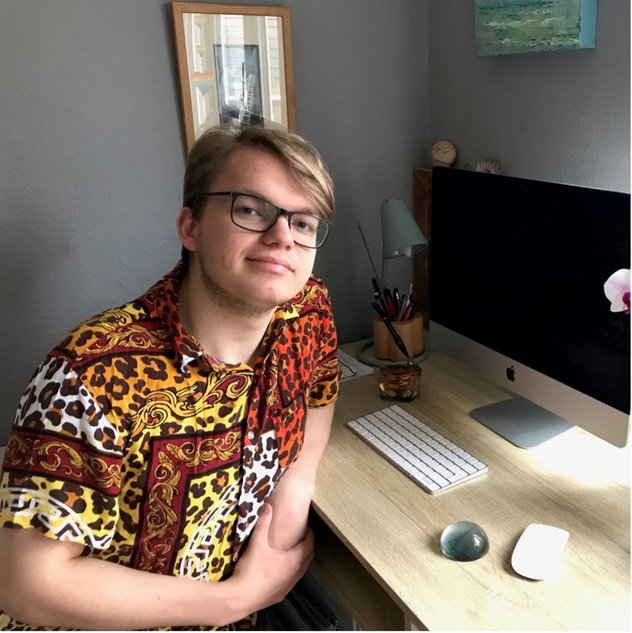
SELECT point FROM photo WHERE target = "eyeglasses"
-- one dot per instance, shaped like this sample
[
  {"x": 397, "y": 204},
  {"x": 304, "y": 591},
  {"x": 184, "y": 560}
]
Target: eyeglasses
[{"x": 258, "y": 215}]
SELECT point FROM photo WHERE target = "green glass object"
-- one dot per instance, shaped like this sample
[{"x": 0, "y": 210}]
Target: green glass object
[{"x": 464, "y": 541}]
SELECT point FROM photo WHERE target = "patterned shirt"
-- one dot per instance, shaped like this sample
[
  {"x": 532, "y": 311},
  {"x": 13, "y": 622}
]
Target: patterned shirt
[{"x": 133, "y": 442}]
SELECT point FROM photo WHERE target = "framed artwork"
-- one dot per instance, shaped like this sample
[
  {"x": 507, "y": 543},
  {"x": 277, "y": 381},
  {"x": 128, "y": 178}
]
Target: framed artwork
[
  {"x": 527, "y": 26},
  {"x": 234, "y": 64},
  {"x": 239, "y": 83}
]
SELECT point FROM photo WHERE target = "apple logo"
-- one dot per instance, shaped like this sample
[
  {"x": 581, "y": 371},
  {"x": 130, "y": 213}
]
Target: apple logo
[{"x": 511, "y": 373}]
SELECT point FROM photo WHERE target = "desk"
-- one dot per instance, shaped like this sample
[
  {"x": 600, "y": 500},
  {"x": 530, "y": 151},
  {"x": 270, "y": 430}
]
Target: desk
[{"x": 379, "y": 521}]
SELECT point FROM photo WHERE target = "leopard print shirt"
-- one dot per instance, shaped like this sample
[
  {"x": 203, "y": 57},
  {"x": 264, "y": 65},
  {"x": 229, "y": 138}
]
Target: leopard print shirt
[{"x": 133, "y": 442}]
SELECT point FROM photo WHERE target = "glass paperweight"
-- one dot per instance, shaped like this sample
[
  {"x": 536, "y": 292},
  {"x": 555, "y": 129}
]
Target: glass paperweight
[
  {"x": 400, "y": 382},
  {"x": 464, "y": 541}
]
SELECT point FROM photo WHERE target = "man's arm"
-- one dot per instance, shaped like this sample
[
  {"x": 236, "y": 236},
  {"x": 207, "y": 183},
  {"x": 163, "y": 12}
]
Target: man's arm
[
  {"x": 45, "y": 582},
  {"x": 292, "y": 496}
]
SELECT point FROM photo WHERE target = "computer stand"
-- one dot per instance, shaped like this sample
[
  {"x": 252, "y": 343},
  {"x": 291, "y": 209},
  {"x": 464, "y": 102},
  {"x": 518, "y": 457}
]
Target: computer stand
[{"x": 521, "y": 422}]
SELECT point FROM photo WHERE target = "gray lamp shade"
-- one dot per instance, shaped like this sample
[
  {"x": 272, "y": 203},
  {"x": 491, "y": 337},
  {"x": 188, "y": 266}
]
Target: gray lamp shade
[{"x": 401, "y": 235}]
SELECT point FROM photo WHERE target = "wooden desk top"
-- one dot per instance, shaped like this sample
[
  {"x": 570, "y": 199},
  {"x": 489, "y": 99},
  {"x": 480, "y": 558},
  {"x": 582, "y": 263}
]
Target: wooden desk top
[{"x": 575, "y": 481}]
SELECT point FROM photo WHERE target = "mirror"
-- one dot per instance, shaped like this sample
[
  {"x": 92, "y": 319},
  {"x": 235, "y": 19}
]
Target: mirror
[{"x": 234, "y": 64}]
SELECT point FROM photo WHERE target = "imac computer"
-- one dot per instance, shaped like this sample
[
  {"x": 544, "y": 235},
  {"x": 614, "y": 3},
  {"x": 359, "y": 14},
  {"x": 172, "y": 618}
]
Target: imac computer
[{"x": 517, "y": 269}]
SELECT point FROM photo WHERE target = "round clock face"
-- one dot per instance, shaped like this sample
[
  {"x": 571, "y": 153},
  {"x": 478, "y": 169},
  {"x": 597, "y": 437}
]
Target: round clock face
[{"x": 443, "y": 152}]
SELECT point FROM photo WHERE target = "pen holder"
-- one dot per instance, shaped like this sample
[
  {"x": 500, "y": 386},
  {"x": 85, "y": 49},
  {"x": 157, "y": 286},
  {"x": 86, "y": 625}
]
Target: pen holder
[
  {"x": 411, "y": 332},
  {"x": 400, "y": 382}
]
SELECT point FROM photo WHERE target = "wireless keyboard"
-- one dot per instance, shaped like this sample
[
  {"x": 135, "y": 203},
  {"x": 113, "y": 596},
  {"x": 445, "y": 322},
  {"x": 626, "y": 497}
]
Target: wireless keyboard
[{"x": 427, "y": 457}]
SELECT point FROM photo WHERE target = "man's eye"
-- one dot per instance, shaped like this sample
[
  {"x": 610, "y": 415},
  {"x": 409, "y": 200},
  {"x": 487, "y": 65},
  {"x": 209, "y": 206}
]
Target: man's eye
[
  {"x": 304, "y": 224},
  {"x": 247, "y": 211}
]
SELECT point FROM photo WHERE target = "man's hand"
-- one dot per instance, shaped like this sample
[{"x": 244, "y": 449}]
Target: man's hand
[{"x": 268, "y": 574}]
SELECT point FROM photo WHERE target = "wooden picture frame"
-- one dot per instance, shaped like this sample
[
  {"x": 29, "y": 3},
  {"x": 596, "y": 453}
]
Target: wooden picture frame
[{"x": 234, "y": 65}]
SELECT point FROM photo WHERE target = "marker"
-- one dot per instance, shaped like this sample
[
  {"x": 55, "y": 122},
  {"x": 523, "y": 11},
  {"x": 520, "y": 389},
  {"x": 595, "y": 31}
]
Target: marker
[{"x": 390, "y": 305}]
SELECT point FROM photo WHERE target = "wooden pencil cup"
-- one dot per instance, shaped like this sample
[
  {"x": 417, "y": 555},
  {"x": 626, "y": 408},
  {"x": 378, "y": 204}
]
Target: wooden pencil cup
[{"x": 411, "y": 332}]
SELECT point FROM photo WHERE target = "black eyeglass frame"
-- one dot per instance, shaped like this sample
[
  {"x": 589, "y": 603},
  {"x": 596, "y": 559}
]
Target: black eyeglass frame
[{"x": 279, "y": 212}]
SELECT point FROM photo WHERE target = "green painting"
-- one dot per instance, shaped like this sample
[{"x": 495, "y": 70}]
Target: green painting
[{"x": 527, "y": 26}]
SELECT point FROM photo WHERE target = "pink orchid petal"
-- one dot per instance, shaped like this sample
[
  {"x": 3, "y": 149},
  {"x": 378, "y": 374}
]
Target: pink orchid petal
[{"x": 617, "y": 290}]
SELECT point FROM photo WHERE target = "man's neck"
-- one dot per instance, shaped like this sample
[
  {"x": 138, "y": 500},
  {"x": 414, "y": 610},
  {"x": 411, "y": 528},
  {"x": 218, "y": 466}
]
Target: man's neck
[{"x": 223, "y": 332}]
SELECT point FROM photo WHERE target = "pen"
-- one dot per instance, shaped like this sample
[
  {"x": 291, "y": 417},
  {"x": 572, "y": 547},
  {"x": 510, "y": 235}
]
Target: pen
[
  {"x": 376, "y": 286},
  {"x": 397, "y": 301},
  {"x": 409, "y": 313},
  {"x": 380, "y": 310},
  {"x": 402, "y": 307},
  {"x": 368, "y": 252},
  {"x": 377, "y": 292},
  {"x": 389, "y": 326}
]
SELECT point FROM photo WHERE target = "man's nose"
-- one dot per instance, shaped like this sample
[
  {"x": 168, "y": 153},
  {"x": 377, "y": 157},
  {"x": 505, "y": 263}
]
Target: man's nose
[{"x": 280, "y": 231}]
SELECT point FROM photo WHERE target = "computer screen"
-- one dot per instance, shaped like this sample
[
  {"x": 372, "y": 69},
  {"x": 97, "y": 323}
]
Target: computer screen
[{"x": 517, "y": 269}]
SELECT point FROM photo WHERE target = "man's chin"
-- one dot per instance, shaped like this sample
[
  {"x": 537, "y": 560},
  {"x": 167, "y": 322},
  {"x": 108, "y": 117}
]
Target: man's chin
[
  {"x": 270, "y": 304},
  {"x": 256, "y": 306},
  {"x": 253, "y": 301},
  {"x": 268, "y": 299}
]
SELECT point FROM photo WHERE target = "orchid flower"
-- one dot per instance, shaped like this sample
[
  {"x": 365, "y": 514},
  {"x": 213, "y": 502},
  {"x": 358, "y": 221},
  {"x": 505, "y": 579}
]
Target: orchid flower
[{"x": 617, "y": 290}]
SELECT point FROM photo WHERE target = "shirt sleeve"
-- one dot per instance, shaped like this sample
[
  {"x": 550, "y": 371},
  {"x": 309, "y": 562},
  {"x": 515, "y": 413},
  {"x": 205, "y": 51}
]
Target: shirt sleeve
[
  {"x": 325, "y": 381},
  {"x": 62, "y": 466}
]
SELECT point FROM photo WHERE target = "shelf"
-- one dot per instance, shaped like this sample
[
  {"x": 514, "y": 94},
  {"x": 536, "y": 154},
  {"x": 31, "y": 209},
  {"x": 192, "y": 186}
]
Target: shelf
[{"x": 369, "y": 605}]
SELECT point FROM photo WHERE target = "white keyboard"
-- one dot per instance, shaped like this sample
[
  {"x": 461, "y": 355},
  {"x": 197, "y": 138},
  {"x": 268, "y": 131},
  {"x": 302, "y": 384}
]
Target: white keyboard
[{"x": 429, "y": 458}]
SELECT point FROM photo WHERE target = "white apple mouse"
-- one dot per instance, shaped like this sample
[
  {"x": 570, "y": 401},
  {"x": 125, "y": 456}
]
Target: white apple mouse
[{"x": 538, "y": 551}]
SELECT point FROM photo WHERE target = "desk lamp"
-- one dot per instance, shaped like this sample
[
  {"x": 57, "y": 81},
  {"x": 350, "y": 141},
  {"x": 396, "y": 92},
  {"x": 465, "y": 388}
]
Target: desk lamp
[{"x": 401, "y": 237}]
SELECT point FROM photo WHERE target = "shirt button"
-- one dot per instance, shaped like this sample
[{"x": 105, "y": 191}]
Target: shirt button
[{"x": 251, "y": 435}]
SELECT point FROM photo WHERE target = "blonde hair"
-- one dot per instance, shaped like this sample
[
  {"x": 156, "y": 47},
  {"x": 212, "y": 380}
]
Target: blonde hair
[{"x": 300, "y": 157}]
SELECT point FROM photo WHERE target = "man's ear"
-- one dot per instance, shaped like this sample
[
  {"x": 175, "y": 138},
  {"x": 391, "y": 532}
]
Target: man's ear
[{"x": 186, "y": 226}]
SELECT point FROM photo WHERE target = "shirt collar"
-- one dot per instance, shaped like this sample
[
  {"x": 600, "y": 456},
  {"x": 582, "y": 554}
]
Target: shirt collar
[{"x": 162, "y": 301}]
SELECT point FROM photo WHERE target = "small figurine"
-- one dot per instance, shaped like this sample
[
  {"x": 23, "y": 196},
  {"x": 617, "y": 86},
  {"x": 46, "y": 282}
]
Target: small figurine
[
  {"x": 490, "y": 166},
  {"x": 443, "y": 154}
]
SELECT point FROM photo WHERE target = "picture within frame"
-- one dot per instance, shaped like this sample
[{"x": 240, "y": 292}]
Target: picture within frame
[
  {"x": 238, "y": 84},
  {"x": 235, "y": 65},
  {"x": 527, "y": 26}
]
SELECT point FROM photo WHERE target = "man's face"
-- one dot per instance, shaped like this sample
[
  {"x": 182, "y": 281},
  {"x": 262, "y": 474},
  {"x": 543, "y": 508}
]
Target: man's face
[{"x": 252, "y": 272}]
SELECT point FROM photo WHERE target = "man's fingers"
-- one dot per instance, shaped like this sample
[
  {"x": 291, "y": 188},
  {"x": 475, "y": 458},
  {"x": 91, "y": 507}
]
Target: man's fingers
[{"x": 263, "y": 523}]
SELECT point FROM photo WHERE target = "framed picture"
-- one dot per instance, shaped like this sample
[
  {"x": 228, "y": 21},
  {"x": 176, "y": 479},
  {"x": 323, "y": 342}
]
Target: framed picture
[
  {"x": 234, "y": 65},
  {"x": 528, "y": 26}
]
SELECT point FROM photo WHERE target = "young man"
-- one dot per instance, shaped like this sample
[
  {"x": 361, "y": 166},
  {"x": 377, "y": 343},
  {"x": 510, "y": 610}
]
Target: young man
[{"x": 162, "y": 461}]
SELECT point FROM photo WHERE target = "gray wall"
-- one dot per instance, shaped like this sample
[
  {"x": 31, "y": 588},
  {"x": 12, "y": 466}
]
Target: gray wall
[
  {"x": 562, "y": 116},
  {"x": 92, "y": 152},
  {"x": 92, "y": 149}
]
